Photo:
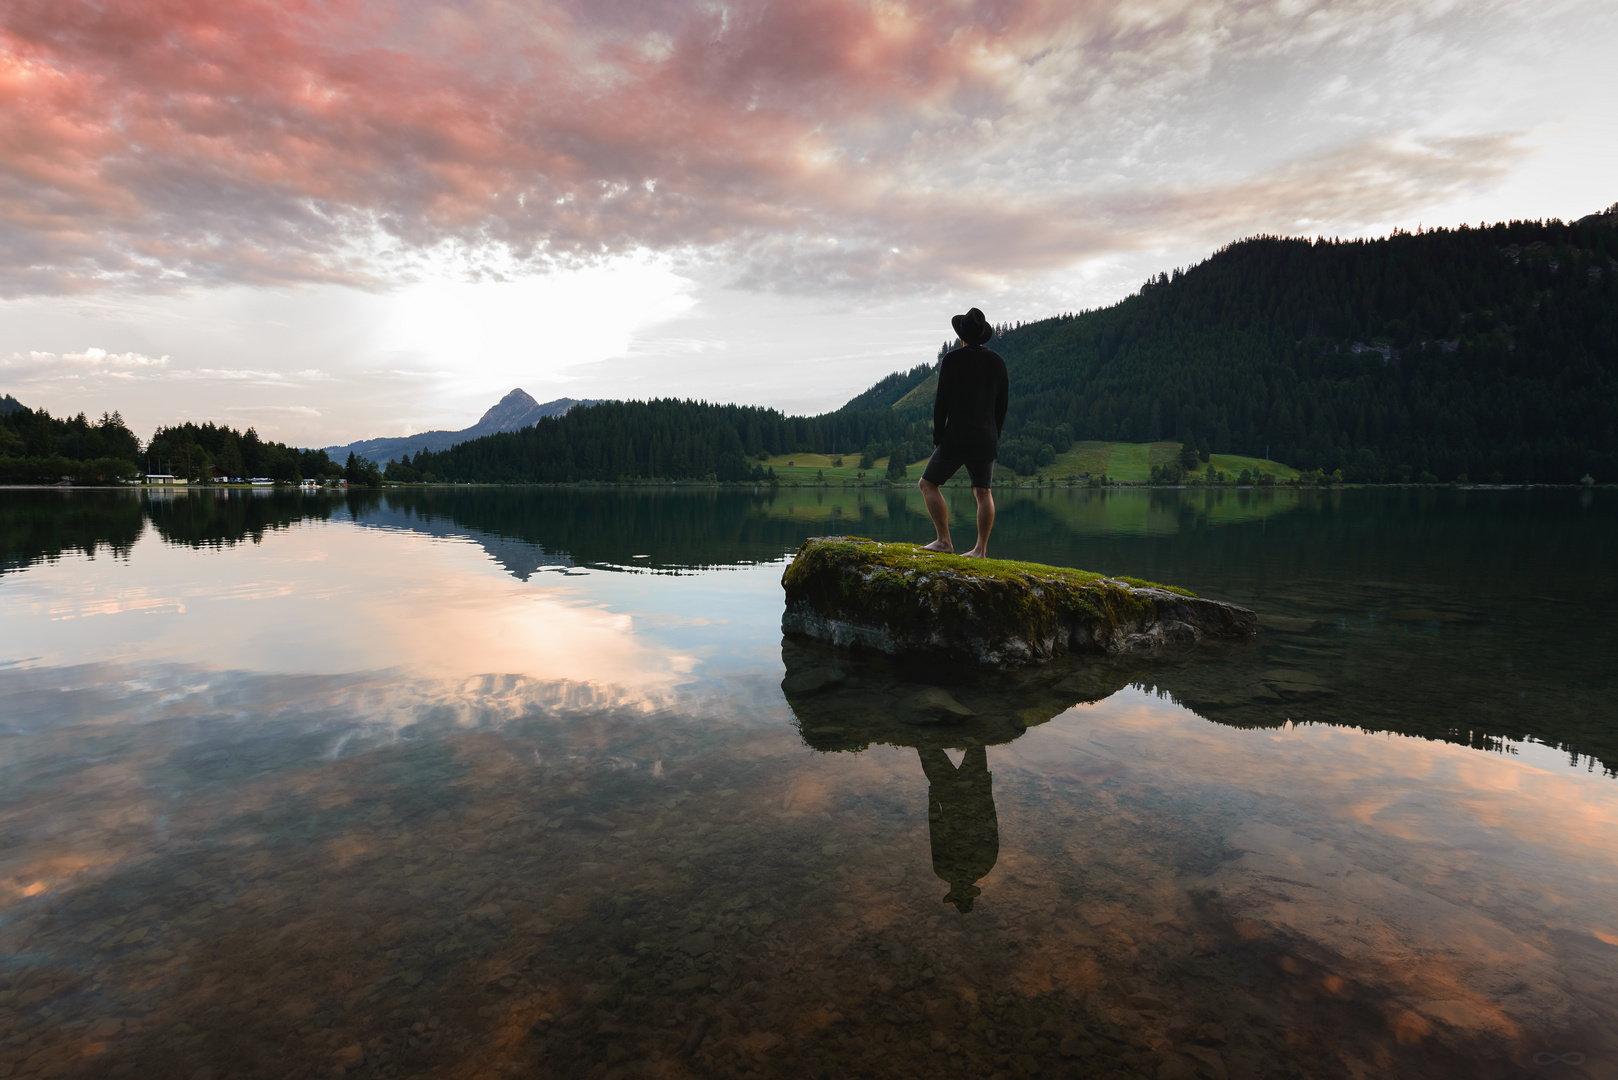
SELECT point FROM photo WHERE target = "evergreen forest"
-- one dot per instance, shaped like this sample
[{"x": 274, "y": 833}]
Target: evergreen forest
[
  {"x": 36, "y": 447},
  {"x": 204, "y": 451},
  {"x": 660, "y": 439}
]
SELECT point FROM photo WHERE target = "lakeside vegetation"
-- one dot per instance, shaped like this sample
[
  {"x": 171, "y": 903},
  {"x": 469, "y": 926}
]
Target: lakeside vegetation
[
  {"x": 662, "y": 439},
  {"x": 201, "y": 451},
  {"x": 38, "y": 448}
]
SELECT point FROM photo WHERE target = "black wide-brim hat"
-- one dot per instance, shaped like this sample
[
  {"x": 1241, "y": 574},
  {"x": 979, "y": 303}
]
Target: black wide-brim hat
[{"x": 972, "y": 328}]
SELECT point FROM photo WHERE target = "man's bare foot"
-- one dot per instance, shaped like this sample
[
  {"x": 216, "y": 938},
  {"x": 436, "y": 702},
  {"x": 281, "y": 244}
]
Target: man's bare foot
[
  {"x": 940, "y": 546},
  {"x": 975, "y": 553}
]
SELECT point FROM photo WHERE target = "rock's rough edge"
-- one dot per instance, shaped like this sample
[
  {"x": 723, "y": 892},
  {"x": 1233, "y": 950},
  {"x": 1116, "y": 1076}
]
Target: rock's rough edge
[{"x": 901, "y": 600}]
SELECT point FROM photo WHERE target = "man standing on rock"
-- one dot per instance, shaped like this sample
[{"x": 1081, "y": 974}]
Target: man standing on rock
[{"x": 968, "y": 415}]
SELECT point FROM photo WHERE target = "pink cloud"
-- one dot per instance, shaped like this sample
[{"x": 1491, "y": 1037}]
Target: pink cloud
[{"x": 160, "y": 143}]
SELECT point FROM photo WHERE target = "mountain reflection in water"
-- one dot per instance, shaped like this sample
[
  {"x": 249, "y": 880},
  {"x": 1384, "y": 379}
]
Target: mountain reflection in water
[{"x": 491, "y": 783}]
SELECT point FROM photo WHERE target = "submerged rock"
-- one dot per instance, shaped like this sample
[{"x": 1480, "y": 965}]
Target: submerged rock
[
  {"x": 875, "y": 699},
  {"x": 905, "y": 601}
]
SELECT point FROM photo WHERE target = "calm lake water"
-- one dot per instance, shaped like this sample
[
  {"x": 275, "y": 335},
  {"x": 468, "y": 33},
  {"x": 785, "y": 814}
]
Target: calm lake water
[{"x": 527, "y": 783}]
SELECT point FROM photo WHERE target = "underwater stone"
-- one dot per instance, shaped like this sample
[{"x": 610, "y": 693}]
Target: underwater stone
[
  {"x": 905, "y": 601},
  {"x": 934, "y": 705}
]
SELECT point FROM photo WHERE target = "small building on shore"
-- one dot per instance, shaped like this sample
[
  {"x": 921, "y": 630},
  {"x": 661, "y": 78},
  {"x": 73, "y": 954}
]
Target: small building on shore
[{"x": 164, "y": 479}]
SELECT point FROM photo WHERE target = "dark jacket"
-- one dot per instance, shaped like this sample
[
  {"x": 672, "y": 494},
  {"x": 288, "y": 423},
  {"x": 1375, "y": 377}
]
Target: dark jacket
[{"x": 970, "y": 409}]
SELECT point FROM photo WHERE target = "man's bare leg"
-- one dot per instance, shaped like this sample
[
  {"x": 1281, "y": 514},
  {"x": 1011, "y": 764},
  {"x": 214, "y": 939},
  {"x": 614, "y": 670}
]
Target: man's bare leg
[
  {"x": 938, "y": 510},
  {"x": 985, "y": 499}
]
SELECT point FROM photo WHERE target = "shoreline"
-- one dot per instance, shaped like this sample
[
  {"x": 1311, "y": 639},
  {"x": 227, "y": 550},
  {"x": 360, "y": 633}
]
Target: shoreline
[{"x": 736, "y": 485}]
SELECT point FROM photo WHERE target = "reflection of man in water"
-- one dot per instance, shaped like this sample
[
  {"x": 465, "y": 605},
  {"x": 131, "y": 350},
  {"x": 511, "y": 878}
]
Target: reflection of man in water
[{"x": 961, "y": 818}]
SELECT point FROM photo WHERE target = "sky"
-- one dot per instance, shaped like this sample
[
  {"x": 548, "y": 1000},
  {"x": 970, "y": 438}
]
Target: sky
[{"x": 351, "y": 218}]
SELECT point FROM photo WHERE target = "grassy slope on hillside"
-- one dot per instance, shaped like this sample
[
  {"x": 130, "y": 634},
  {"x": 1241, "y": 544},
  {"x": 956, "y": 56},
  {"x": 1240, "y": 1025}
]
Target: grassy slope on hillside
[
  {"x": 807, "y": 468},
  {"x": 1233, "y": 464},
  {"x": 1132, "y": 462},
  {"x": 891, "y": 389},
  {"x": 1127, "y": 462},
  {"x": 918, "y": 403}
]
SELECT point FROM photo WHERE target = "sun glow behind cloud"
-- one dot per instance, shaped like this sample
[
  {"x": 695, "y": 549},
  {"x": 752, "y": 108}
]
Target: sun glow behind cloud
[{"x": 484, "y": 334}]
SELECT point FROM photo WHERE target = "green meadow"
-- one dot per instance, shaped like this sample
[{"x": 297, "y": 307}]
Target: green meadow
[
  {"x": 808, "y": 468},
  {"x": 1132, "y": 462}
]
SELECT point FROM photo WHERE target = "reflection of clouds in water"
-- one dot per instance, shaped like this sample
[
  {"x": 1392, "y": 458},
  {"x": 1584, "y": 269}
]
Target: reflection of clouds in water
[
  {"x": 137, "y": 739},
  {"x": 477, "y": 829},
  {"x": 390, "y": 704},
  {"x": 330, "y": 598},
  {"x": 1361, "y": 860},
  {"x": 1435, "y": 875}
]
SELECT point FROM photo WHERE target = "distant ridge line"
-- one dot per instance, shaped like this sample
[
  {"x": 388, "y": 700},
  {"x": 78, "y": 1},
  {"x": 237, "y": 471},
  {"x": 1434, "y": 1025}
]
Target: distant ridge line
[{"x": 513, "y": 412}]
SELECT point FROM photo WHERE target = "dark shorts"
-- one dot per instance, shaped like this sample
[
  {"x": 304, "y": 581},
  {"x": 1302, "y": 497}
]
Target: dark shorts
[{"x": 947, "y": 461}]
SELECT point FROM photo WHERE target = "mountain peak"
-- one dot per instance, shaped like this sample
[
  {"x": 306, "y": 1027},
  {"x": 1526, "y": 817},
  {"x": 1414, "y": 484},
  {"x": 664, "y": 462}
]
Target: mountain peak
[{"x": 509, "y": 413}]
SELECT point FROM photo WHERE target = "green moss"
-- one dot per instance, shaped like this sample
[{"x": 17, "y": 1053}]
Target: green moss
[
  {"x": 911, "y": 591},
  {"x": 1140, "y": 583},
  {"x": 909, "y": 559}
]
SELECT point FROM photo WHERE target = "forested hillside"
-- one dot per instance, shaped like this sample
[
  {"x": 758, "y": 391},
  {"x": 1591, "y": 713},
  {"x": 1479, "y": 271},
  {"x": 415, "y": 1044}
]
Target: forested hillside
[
  {"x": 663, "y": 438},
  {"x": 1490, "y": 352}
]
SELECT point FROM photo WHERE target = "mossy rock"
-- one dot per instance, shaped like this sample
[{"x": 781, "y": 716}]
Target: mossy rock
[{"x": 905, "y": 601}]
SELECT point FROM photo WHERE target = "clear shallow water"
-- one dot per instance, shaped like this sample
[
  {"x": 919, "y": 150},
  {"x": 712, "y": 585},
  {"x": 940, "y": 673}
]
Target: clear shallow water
[{"x": 528, "y": 783}]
